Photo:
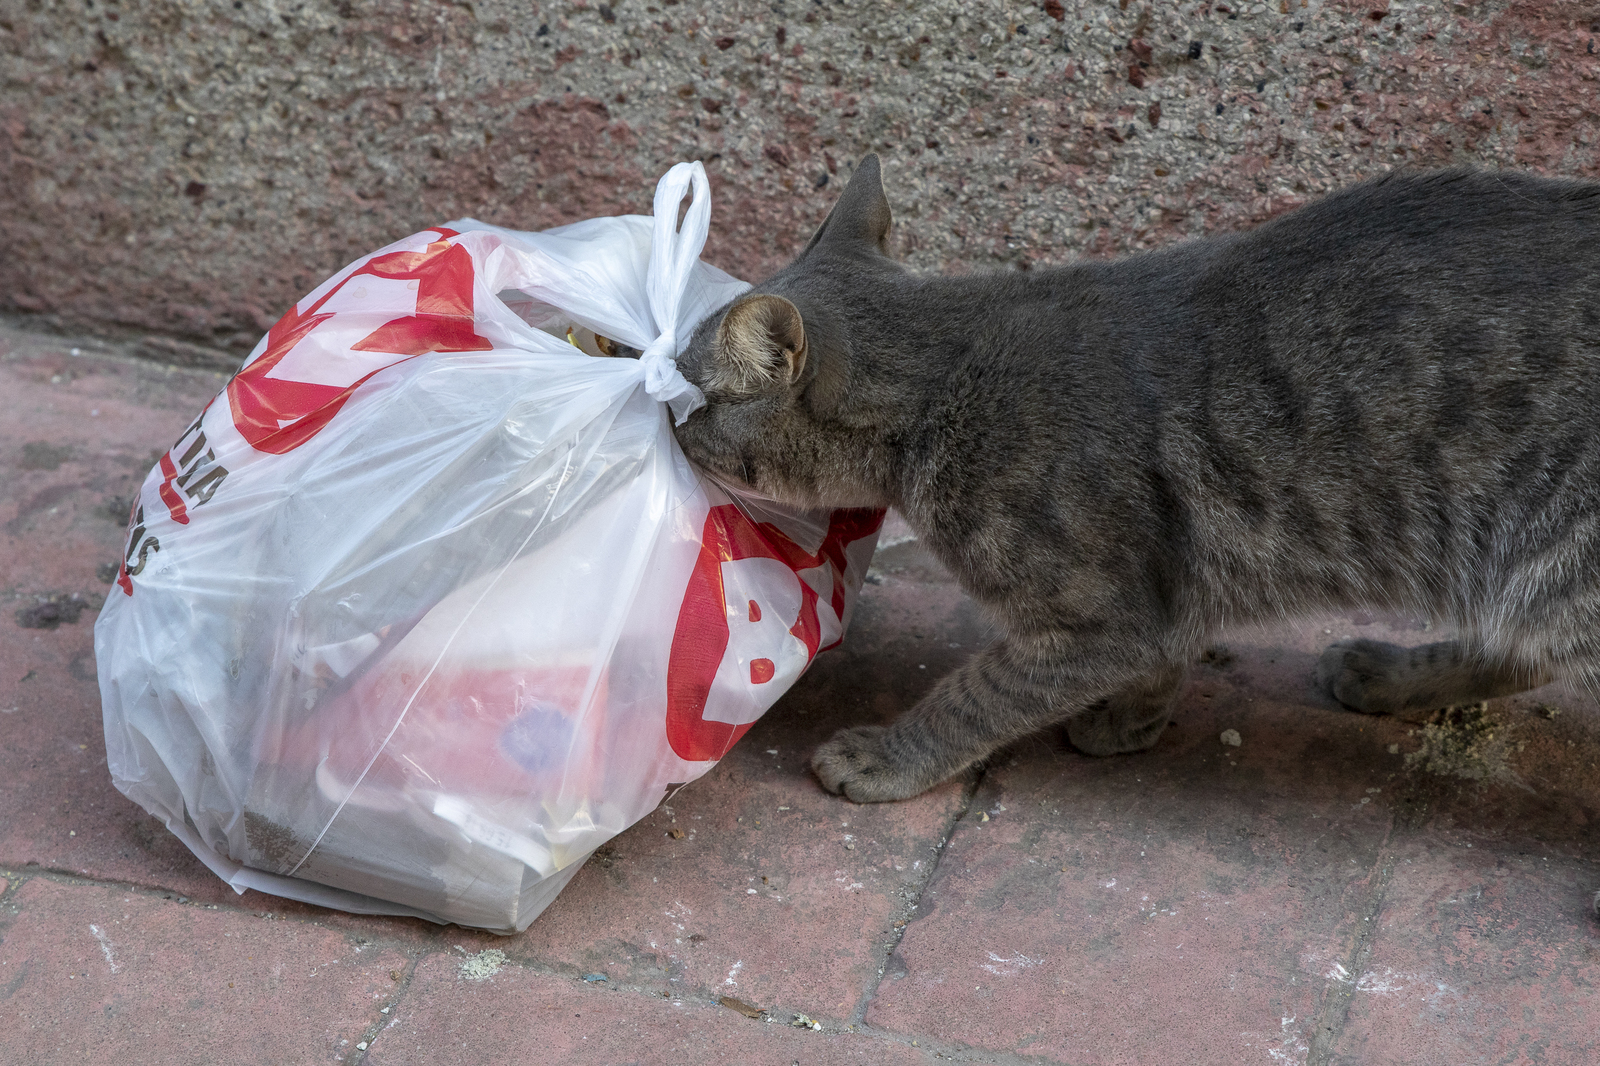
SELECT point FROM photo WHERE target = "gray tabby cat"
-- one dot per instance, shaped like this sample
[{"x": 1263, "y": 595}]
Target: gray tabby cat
[{"x": 1388, "y": 398}]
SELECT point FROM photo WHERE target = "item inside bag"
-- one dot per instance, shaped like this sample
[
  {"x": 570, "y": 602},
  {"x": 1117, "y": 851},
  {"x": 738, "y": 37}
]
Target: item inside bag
[{"x": 477, "y": 738}]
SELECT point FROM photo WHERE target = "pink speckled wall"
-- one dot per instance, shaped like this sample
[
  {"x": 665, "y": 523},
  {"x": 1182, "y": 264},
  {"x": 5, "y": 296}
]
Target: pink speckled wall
[{"x": 178, "y": 172}]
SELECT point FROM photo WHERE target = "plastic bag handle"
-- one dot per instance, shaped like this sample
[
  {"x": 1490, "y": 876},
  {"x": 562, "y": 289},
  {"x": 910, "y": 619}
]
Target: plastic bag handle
[{"x": 673, "y": 254}]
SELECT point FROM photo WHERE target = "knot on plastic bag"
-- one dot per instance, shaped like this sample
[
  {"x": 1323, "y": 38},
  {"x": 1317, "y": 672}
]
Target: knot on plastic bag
[
  {"x": 664, "y": 381},
  {"x": 674, "y": 251}
]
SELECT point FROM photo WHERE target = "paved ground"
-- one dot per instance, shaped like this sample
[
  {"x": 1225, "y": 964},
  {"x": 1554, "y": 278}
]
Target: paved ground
[{"x": 1330, "y": 890}]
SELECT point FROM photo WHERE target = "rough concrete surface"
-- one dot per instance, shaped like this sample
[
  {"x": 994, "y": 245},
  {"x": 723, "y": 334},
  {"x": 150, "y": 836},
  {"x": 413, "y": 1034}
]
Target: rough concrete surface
[
  {"x": 190, "y": 167},
  {"x": 1278, "y": 881}
]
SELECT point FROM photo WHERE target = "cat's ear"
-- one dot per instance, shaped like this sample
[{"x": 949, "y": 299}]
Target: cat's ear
[
  {"x": 861, "y": 214},
  {"x": 760, "y": 343}
]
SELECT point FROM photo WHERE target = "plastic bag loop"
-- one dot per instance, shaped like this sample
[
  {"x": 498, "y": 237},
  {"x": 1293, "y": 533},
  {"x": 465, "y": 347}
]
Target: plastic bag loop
[{"x": 673, "y": 254}]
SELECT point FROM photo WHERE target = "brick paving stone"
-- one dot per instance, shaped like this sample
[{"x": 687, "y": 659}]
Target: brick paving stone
[
  {"x": 519, "y": 1015},
  {"x": 93, "y": 974},
  {"x": 1479, "y": 956},
  {"x": 1155, "y": 908}
]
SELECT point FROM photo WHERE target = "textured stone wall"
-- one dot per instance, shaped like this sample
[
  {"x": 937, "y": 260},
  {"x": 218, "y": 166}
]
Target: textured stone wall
[{"x": 187, "y": 168}]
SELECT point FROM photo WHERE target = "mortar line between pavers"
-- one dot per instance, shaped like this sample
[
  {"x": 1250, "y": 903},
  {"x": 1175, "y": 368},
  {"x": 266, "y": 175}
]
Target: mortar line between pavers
[
  {"x": 1329, "y": 1022},
  {"x": 858, "y": 1017},
  {"x": 408, "y": 946},
  {"x": 414, "y": 951},
  {"x": 121, "y": 345},
  {"x": 949, "y": 1049},
  {"x": 370, "y": 1034},
  {"x": 57, "y": 875}
]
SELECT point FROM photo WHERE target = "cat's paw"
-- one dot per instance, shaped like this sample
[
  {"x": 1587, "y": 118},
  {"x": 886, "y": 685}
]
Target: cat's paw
[
  {"x": 856, "y": 764},
  {"x": 1359, "y": 674},
  {"x": 1113, "y": 727}
]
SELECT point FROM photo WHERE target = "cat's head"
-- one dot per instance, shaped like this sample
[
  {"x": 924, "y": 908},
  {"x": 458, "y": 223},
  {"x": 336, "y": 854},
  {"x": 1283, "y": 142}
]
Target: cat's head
[{"x": 789, "y": 410}]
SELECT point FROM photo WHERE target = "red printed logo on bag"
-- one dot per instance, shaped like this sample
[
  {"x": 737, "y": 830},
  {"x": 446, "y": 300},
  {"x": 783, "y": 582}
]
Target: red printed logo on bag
[
  {"x": 186, "y": 483},
  {"x": 278, "y": 414},
  {"x": 729, "y": 646}
]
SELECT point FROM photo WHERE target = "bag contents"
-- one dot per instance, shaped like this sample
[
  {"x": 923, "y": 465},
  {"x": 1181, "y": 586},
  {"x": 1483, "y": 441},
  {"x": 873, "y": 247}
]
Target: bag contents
[{"x": 427, "y": 604}]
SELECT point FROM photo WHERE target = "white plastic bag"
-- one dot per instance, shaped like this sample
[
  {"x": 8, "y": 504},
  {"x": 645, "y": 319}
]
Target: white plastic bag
[{"x": 427, "y": 603}]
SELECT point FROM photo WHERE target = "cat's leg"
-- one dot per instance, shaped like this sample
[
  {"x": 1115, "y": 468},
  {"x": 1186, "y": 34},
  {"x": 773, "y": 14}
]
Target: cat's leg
[
  {"x": 1131, "y": 720},
  {"x": 1003, "y": 693},
  {"x": 1377, "y": 678}
]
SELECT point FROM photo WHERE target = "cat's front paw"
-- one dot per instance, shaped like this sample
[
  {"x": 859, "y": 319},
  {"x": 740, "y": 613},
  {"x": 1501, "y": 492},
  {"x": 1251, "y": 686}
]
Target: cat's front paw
[{"x": 856, "y": 764}]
